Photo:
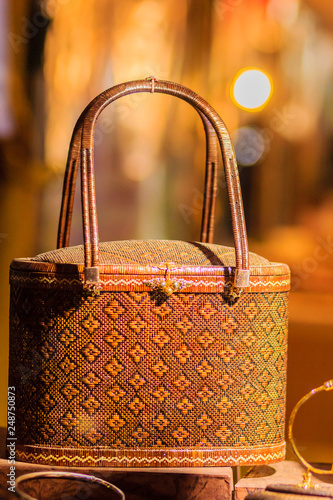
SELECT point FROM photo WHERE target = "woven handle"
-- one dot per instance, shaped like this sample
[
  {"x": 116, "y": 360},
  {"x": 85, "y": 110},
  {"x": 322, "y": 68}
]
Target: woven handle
[
  {"x": 73, "y": 162},
  {"x": 85, "y": 128}
]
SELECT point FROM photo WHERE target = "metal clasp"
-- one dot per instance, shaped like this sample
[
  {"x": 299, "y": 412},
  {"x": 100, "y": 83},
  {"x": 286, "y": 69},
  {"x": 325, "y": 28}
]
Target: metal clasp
[{"x": 168, "y": 285}]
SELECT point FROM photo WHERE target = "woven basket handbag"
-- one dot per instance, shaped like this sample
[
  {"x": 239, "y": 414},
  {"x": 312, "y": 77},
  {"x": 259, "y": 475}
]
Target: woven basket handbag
[{"x": 149, "y": 353}]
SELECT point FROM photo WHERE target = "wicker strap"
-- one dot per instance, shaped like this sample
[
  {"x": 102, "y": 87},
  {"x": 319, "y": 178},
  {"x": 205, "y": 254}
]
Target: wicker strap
[
  {"x": 87, "y": 123},
  {"x": 73, "y": 162}
]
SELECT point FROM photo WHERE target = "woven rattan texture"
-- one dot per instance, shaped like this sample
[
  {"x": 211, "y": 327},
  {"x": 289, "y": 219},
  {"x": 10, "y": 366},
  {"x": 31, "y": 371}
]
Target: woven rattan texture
[
  {"x": 152, "y": 252},
  {"x": 142, "y": 371}
]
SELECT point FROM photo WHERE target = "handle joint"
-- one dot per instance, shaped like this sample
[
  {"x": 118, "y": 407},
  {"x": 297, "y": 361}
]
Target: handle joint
[
  {"x": 233, "y": 290},
  {"x": 92, "y": 282},
  {"x": 242, "y": 278},
  {"x": 152, "y": 79}
]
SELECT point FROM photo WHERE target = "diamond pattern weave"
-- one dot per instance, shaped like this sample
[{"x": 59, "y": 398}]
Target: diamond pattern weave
[{"x": 139, "y": 370}]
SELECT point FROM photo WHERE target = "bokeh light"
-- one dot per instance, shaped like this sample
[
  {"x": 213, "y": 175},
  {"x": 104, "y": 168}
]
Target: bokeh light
[
  {"x": 251, "y": 89},
  {"x": 249, "y": 145}
]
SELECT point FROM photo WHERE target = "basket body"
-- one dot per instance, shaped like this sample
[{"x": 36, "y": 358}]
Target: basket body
[{"x": 134, "y": 378}]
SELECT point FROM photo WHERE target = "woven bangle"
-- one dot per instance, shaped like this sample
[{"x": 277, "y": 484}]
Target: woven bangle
[
  {"x": 63, "y": 475},
  {"x": 327, "y": 386}
]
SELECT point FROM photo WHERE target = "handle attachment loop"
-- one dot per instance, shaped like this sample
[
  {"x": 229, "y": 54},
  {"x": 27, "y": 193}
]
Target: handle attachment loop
[{"x": 92, "y": 283}]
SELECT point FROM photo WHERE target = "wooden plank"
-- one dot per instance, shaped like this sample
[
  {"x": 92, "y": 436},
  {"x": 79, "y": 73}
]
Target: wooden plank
[
  {"x": 286, "y": 472},
  {"x": 171, "y": 483}
]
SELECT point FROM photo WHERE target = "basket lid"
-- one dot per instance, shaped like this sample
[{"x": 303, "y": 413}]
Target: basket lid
[{"x": 152, "y": 252}]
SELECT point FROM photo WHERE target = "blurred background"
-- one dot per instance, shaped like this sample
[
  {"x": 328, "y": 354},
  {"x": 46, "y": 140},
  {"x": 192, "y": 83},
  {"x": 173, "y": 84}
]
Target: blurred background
[{"x": 266, "y": 66}]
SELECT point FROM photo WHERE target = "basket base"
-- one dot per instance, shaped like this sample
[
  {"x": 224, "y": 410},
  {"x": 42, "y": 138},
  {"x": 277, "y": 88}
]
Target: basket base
[{"x": 105, "y": 457}]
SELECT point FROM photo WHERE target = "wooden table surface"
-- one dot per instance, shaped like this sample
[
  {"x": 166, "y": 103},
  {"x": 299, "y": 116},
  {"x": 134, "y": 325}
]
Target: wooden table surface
[{"x": 287, "y": 472}]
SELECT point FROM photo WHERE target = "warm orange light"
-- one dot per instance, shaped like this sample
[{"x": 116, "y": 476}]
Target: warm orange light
[{"x": 251, "y": 89}]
